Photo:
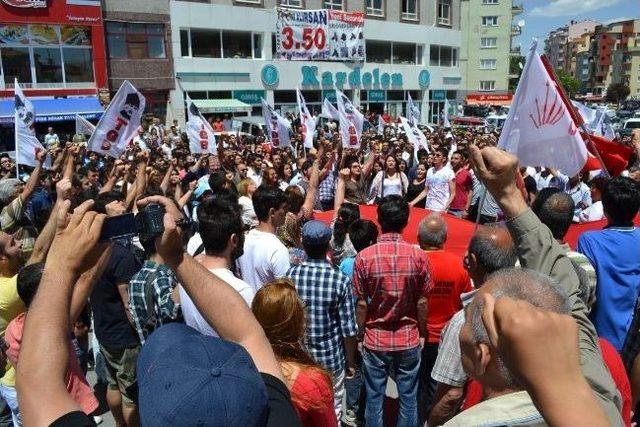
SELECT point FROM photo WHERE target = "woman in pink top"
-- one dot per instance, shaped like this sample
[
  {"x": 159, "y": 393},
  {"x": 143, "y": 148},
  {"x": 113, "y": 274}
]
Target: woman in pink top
[{"x": 281, "y": 314}]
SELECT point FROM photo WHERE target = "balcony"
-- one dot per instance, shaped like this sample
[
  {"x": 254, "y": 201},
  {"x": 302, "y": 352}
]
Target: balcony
[
  {"x": 515, "y": 51},
  {"x": 517, "y": 9},
  {"x": 515, "y": 31}
]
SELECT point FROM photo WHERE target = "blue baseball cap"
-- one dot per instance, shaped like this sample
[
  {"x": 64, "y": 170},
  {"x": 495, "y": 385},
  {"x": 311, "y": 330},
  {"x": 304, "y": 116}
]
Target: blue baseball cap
[
  {"x": 316, "y": 233},
  {"x": 201, "y": 188},
  {"x": 187, "y": 378}
]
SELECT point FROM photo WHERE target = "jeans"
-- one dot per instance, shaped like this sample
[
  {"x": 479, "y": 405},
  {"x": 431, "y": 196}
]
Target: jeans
[
  {"x": 338, "y": 391},
  {"x": 426, "y": 384},
  {"x": 377, "y": 365},
  {"x": 456, "y": 212},
  {"x": 355, "y": 389},
  {"x": 11, "y": 397}
]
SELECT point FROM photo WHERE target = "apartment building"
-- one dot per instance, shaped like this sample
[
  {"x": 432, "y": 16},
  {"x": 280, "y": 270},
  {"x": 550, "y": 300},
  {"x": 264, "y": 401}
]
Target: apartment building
[
  {"x": 225, "y": 57},
  {"x": 487, "y": 32}
]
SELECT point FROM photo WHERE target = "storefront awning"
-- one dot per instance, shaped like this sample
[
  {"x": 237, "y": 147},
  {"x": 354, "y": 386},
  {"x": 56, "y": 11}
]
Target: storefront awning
[
  {"x": 56, "y": 110},
  {"x": 489, "y": 99},
  {"x": 222, "y": 106}
]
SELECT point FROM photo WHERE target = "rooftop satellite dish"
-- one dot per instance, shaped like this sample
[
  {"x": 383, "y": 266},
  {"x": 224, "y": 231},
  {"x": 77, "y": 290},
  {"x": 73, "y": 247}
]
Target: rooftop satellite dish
[{"x": 521, "y": 23}]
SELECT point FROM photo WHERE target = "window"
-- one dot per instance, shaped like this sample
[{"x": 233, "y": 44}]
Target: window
[
  {"x": 444, "y": 12},
  {"x": 184, "y": 43},
  {"x": 488, "y": 42},
  {"x": 410, "y": 10},
  {"x": 236, "y": 44},
  {"x": 242, "y": 1},
  {"x": 333, "y": 4},
  {"x": 443, "y": 56},
  {"x": 78, "y": 66},
  {"x": 487, "y": 64},
  {"x": 135, "y": 41},
  {"x": 257, "y": 46},
  {"x": 205, "y": 44},
  {"x": 489, "y": 21},
  {"x": 48, "y": 65},
  {"x": 291, "y": 3},
  {"x": 404, "y": 53},
  {"x": 489, "y": 1},
  {"x": 487, "y": 85},
  {"x": 378, "y": 51},
  {"x": 15, "y": 63},
  {"x": 375, "y": 8}
]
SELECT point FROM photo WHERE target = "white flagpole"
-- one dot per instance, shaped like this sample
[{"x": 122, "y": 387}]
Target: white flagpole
[{"x": 15, "y": 128}]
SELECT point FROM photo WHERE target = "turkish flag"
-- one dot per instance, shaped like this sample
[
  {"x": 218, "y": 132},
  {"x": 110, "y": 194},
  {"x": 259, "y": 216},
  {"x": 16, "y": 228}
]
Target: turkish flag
[{"x": 614, "y": 156}]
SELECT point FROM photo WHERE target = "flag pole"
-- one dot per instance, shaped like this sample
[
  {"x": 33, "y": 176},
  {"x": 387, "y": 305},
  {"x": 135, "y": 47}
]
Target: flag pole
[
  {"x": 15, "y": 129},
  {"x": 577, "y": 119}
]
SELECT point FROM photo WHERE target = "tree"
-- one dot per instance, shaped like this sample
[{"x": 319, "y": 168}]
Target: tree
[
  {"x": 570, "y": 84},
  {"x": 617, "y": 92},
  {"x": 516, "y": 64}
]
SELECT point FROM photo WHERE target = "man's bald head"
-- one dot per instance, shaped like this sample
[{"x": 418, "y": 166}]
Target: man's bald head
[
  {"x": 555, "y": 209},
  {"x": 432, "y": 232},
  {"x": 516, "y": 283},
  {"x": 490, "y": 249}
]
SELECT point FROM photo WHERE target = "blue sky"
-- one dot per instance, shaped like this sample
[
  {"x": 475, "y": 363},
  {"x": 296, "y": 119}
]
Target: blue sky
[{"x": 542, "y": 16}]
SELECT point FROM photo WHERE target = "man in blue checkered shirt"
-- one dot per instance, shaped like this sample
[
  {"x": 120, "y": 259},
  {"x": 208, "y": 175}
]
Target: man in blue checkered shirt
[{"x": 328, "y": 298}]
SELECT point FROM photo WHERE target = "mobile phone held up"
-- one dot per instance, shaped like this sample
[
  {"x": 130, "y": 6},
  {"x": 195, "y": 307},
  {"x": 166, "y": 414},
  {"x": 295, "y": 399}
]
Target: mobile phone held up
[{"x": 147, "y": 224}]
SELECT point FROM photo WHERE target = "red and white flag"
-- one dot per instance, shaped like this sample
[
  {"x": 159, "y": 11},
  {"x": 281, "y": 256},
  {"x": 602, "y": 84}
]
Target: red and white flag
[
  {"x": 202, "y": 139},
  {"x": 27, "y": 145},
  {"x": 539, "y": 129},
  {"x": 351, "y": 121},
  {"x": 277, "y": 126}
]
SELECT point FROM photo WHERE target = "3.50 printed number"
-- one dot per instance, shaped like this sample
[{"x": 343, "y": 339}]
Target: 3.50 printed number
[{"x": 310, "y": 38}]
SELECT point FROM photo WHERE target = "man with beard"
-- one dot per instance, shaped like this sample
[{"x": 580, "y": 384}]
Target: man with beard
[{"x": 221, "y": 228}]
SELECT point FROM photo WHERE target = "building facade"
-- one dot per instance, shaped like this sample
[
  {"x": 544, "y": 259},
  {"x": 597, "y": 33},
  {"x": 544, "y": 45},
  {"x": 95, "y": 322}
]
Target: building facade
[
  {"x": 415, "y": 44},
  {"x": 138, "y": 35},
  {"x": 487, "y": 32},
  {"x": 617, "y": 56}
]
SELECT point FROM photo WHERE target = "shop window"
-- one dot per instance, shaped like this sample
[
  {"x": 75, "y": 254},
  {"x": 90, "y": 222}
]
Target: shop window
[
  {"x": 404, "y": 53},
  {"x": 16, "y": 64},
  {"x": 395, "y": 95},
  {"x": 236, "y": 44},
  {"x": 285, "y": 97},
  {"x": 48, "y": 65},
  {"x": 135, "y": 40},
  {"x": 205, "y": 44},
  {"x": 78, "y": 65},
  {"x": 444, "y": 12},
  {"x": 378, "y": 52},
  {"x": 375, "y": 8},
  {"x": 410, "y": 10}
]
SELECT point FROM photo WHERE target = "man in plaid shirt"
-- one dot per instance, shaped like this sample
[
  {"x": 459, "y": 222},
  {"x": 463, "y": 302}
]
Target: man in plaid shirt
[
  {"x": 328, "y": 298},
  {"x": 392, "y": 282}
]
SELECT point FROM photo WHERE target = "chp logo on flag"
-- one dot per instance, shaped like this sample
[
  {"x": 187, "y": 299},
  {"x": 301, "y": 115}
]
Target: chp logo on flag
[{"x": 550, "y": 113}]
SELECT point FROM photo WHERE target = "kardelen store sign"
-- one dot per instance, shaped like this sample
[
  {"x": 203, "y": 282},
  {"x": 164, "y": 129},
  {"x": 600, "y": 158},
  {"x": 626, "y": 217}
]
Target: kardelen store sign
[{"x": 26, "y": 3}]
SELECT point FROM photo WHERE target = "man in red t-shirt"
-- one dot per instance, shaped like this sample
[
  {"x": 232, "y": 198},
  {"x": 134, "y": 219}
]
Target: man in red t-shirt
[
  {"x": 450, "y": 279},
  {"x": 464, "y": 185}
]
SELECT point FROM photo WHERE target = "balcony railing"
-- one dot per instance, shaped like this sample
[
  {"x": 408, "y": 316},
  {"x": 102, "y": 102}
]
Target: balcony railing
[
  {"x": 517, "y": 9},
  {"x": 516, "y": 50},
  {"x": 515, "y": 30}
]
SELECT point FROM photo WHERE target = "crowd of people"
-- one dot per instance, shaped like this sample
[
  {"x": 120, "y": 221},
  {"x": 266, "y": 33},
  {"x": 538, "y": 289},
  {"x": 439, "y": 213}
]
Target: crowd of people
[{"x": 243, "y": 308}]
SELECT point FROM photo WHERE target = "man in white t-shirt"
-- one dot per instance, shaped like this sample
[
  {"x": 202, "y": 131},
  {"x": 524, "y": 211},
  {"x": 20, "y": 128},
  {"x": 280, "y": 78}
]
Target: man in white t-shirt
[
  {"x": 265, "y": 257},
  {"x": 220, "y": 225},
  {"x": 440, "y": 185},
  {"x": 51, "y": 138}
]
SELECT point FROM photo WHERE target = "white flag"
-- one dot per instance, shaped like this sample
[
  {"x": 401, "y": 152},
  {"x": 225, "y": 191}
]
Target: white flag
[
  {"x": 539, "y": 129},
  {"x": 381, "y": 125},
  {"x": 277, "y": 126},
  {"x": 413, "y": 112},
  {"x": 201, "y": 136},
  {"x": 351, "y": 121},
  {"x": 307, "y": 121},
  {"x": 84, "y": 126},
  {"x": 119, "y": 123},
  {"x": 588, "y": 114},
  {"x": 27, "y": 145},
  {"x": 415, "y": 136},
  {"x": 445, "y": 117},
  {"x": 329, "y": 111}
]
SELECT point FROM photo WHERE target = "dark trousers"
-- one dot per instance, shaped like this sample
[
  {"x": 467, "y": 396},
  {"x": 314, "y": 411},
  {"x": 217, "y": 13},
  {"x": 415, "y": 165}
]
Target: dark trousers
[{"x": 426, "y": 385}]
